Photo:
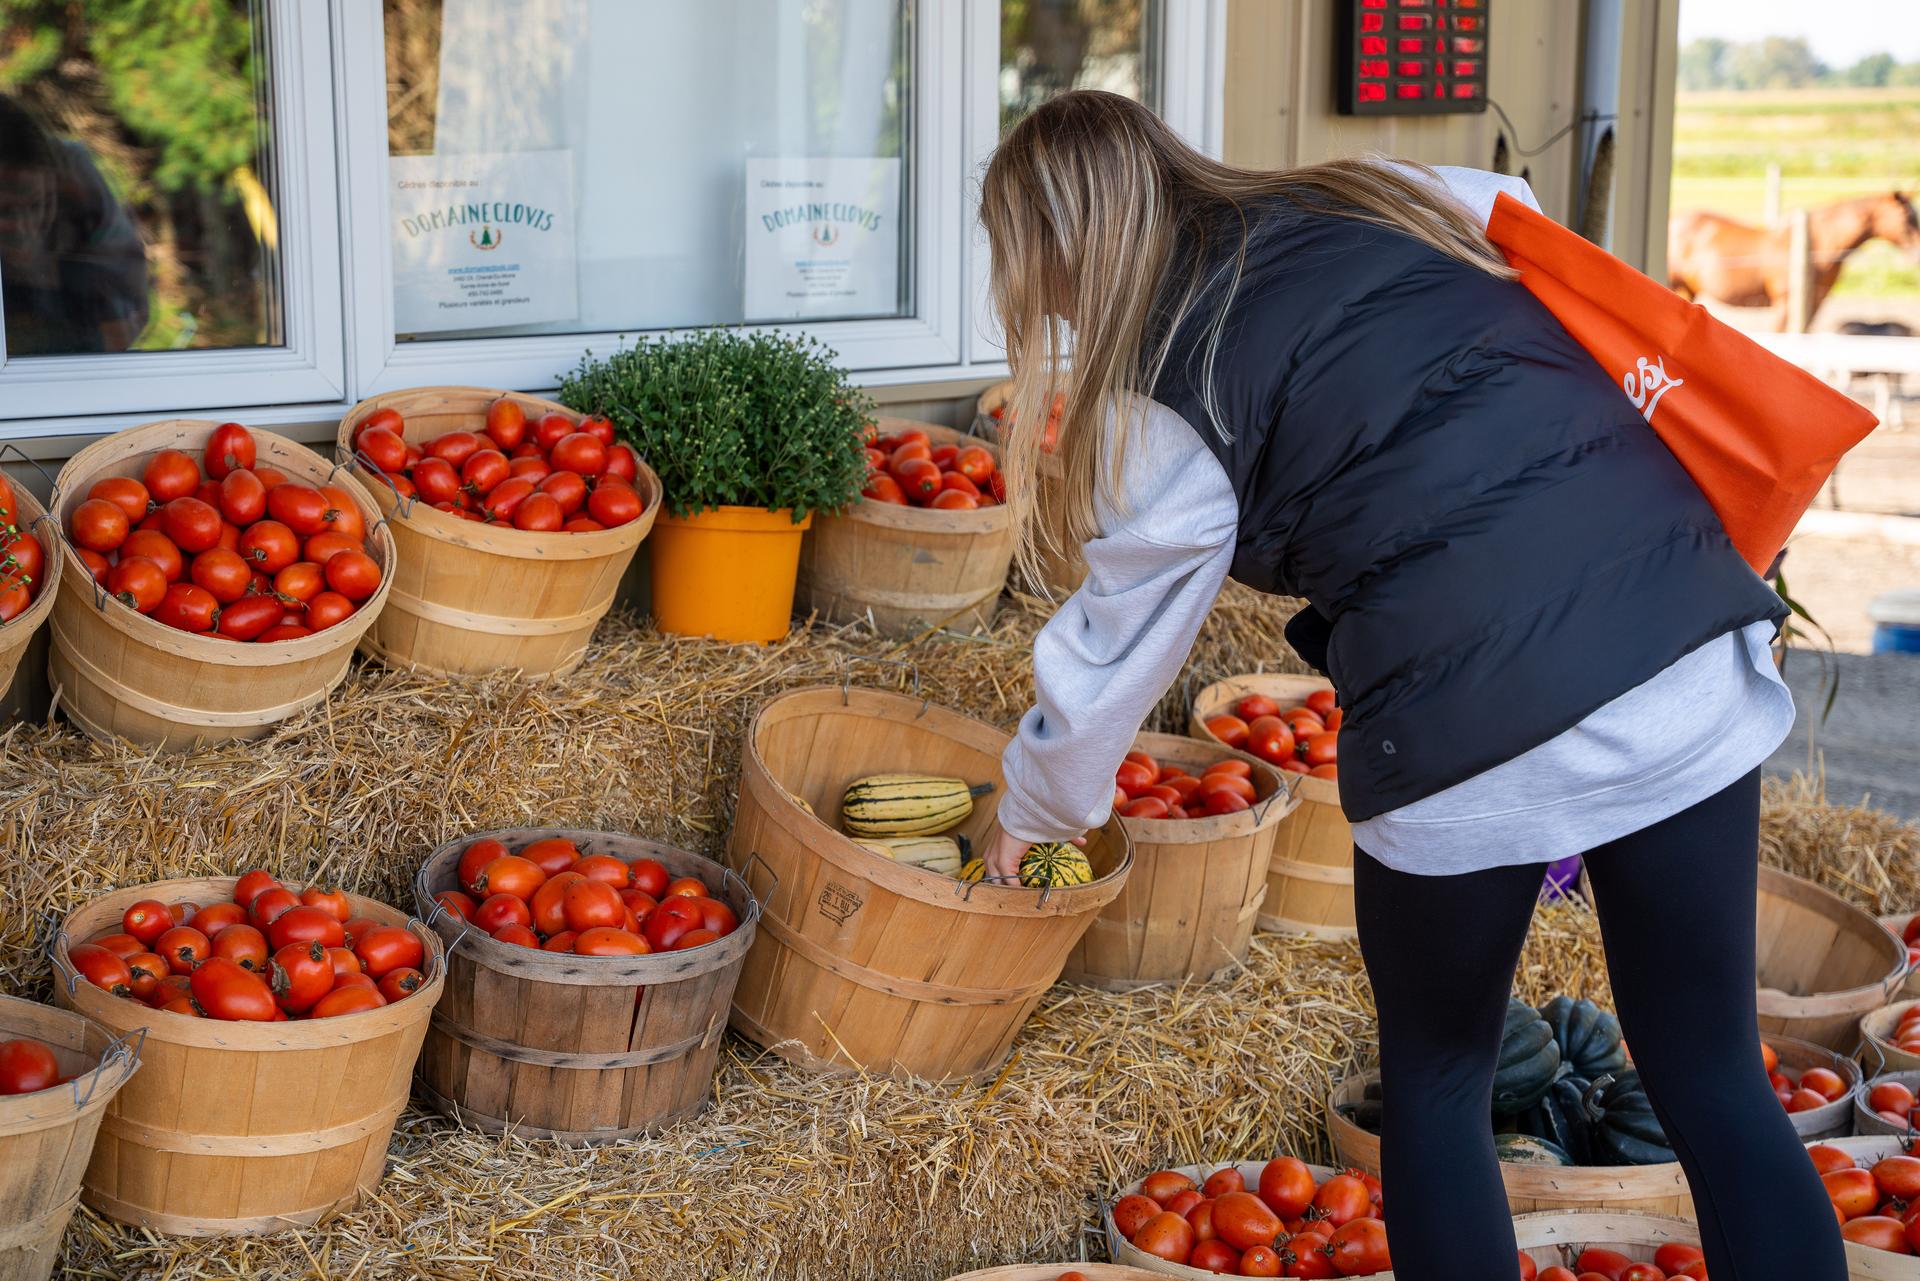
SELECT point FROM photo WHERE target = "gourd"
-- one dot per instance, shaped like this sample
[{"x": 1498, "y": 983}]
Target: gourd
[
  {"x": 907, "y": 804},
  {"x": 1529, "y": 1060},
  {"x": 1528, "y": 1149},
  {"x": 1054, "y": 863},
  {"x": 1624, "y": 1129},
  {"x": 1560, "y": 1118},
  {"x": 942, "y": 854},
  {"x": 1588, "y": 1036}
]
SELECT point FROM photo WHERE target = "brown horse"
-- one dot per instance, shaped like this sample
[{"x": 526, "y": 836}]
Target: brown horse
[{"x": 1715, "y": 257}]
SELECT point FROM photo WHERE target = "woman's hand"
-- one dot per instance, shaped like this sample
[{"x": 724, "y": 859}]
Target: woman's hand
[{"x": 1002, "y": 856}]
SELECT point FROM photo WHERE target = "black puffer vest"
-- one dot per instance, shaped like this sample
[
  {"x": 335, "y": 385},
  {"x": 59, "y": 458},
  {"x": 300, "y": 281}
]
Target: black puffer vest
[{"x": 1492, "y": 540}]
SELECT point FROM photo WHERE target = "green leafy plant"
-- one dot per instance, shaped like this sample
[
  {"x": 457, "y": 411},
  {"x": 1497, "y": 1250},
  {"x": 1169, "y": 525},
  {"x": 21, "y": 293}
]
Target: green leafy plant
[{"x": 733, "y": 419}]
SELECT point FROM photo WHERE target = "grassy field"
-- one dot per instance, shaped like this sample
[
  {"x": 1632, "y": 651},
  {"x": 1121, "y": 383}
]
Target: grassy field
[{"x": 1830, "y": 144}]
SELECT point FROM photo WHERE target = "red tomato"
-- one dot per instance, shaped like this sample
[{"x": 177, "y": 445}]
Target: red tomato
[
  {"x": 353, "y": 574},
  {"x": 188, "y": 608},
  {"x": 676, "y": 915},
  {"x": 229, "y": 449},
  {"x": 299, "y": 507},
  {"x": 1261, "y": 1261},
  {"x": 1359, "y": 1248},
  {"x": 1132, "y": 1210},
  {"x": 1287, "y": 1186},
  {"x": 1644, "y": 1272},
  {"x": 97, "y": 565},
  {"x": 716, "y": 916},
  {"x": 1269, "y": 739},
  {"x": 305, "y": 924},
  {"x": 687, "y": 886},
  {"x": 589, "y": 903},
  {"x": 269, "y": 546},
  {"x": 552, "y": 429},
  {"x": 549, "y": 902},
  {"x": 1877, "y": 1232},
  {"x": 389, "y": 947},
  {"x": 1320, "y": 749},
  {"x": 147, "y": 920},
  {"x": 328, "y": 609},
  {"x": 650, "y": 877},
  {"x": 1852, "y": 1192},
  {"x": 881, "y": 487},
  {"x": 1890, "y": 1096},
  {"x": 226, "y": 991},
  {"x": 1342, "y": 1199},
  {"x": 301, "y": 973},
  {"x": 454, "y": 447},
  {"x": 1608, "y": 1263},
  {"x": 170, "y": 474},
  {"x": 533, "y": 469},
  {"x": 1164, "y": 1185},
  {"x": 137, "y": 583},
  {"x": 581, "y": 452},
  {"x": 551, "y": 854},
  {"x": 99, "y": 525},
  {"x": 401, "y": 983},
  {"x": 975, "y": 463},
  {"x": 539, "y": 513},
  {"x": 1215, "y": 1256},
  {"x": 1674, "y": 1256},
  {"x": 437, "y": 480},
  {"x": 249, "y": 617},
  {"x": 504, "y": 498},
  {"x": 614, "y": 504},
  {"x": 1824, "y": 1081},
  {"x": 622, "y": 463},
  {"x": 1243, "y": 1220},
  {"x": 1230, "y": 730},
  {"x": 383, "y": 448},
  {"x": 565, "y": 488},
  {"x": 484, "y": 471},
  {"x": 221, "y": 573},
  {"x": 300, "y": 581},
  {"x": 347, "y": 1000},
  {"x": 126, "y": 493},
  {"x": 919, "y": 479},
  {"x": 1165, "y": 1236},
  {"x": 1254, "y": 706},
  {"x": 506, "y": 424}
]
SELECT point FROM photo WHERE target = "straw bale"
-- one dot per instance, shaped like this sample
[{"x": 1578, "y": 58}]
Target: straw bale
[
  {"x": 786, "y": 1176},
  {"x": 1865, "y": 855}
]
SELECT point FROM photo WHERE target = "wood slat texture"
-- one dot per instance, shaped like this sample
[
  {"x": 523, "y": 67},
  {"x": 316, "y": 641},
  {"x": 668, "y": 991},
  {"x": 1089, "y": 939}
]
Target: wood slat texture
[
  {"x": 245, "y": 1127},
  {"x": 864, "y": 963},
  {"x": 580, "y": 1049},
  {"x": 908, "y": 569},
  {"x": 1187, "y": 910},
  {"x": 471, "y": 599},
  {"x": 46, "y": 1138},
  {"x": 115, "y": 671},
  {"x": 31, "y": 518},
  {"x": 1310, "y": 884},
  {"x": 1652, "y": 1189},
  {"x": 1823, "y": 963}
]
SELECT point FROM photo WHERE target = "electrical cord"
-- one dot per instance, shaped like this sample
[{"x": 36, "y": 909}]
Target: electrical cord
[{"x": 1591, "y": 117}]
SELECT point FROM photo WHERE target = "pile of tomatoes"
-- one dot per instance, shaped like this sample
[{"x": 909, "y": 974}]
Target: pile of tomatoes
[
  {"x": 547, "y": 475},
  {"x": 1290, "y": 1225},
  {"x": 1304, "y": 739},
  {"x": 1906, "y": 1033},
  {"x": 1894, "y": 1103},
  {"x": 1144, "y": 788},
  {"x": 22, "y": 557},
  {"x": 28, "y": 1066},
  {"x": 909, "y": 469},
  {"x": 268, "y": 954},
  {"x": 236, "y": 551},
  {"x": 1814, "y": 1088},
  {"x": 1910, "y": 935},
  {"x": 1050, "y": 435},
  {"x": 551, "y": 896},
  {"x": 1670, "y": 1262},
  {"x": 1876, "y": 1205}
]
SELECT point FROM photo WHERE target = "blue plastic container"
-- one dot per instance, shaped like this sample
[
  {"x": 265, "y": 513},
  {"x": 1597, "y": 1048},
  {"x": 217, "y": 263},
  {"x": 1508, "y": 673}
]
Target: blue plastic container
[{"x": 1896, "y": 622}]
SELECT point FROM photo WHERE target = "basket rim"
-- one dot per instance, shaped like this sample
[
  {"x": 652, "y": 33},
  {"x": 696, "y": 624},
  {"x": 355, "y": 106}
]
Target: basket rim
[
  {"x": 53, "y": 563},
  {"x": 517, "y": 544},
  {"x": 916, "y": 883},
  {"x": 296, "y": 1035},
  {"x": 928, "y": 520},
  {"x": 91, "y": 463},
  {"x": 1205, "y": 703},
  {"x": 1279, "y": 801},
  {"x": 64, "y": 1103}
]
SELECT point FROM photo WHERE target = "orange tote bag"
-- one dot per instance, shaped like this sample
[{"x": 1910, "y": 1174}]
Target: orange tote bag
[{"x": 1758, "y": 435}]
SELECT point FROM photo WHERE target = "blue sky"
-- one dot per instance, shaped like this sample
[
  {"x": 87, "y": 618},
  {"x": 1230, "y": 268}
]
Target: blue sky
[{"x": 1840, "y": 31}]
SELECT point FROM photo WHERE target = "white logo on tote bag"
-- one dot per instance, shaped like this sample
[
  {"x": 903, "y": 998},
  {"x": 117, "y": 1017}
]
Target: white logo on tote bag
[{"x": 1647, "y": 382}]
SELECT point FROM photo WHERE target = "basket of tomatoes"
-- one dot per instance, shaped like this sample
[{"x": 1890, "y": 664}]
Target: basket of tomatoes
[
  {"x": 58, "y": 1072},
  {"x": 1059, "y": 1272},
  {"x": 1873, "y": 1182},
  {"x": 515, "y": 517},
  {"x": 29, "y": 577},
  {"x": 928, "y": 544},
  {"x": 589, "y": 980},
  {"x": 1203, "y": 821},
  {"x": 216, "y": 580},
  {"x": 281, "y": 1028},
  {"x": 1060, "y": 565},
  {"x": 1293, "y": 724}
]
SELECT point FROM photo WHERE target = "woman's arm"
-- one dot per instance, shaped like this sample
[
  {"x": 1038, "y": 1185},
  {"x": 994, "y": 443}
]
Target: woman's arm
[{"x": 1116, "y": 645}]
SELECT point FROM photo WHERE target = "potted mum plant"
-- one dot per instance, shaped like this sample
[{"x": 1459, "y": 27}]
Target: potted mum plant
[{"x": 751, "y": 434}]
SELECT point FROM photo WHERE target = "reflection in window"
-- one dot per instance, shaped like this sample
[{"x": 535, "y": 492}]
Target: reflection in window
[
  {"x": 590, "y": 166},
  {"x": 136, "y": 204},
  {"x": 1048, "y": 46}
]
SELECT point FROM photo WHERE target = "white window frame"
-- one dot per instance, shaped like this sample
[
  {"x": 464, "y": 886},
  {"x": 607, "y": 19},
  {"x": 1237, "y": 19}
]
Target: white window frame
[
  {"x": 65, "y": 395},
  {"x": 329, "y": 74},
  {"x": 930, "y": 337}
]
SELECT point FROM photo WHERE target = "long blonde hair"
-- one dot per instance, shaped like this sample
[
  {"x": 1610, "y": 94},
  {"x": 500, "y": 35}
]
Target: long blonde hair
[{"x": 1088, "y": 204}]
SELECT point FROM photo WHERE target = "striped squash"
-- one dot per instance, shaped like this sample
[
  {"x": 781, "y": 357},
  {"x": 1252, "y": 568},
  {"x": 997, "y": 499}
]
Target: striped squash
[
  {"x": 907, "y": 804},
  {"x": 1055, "y": 863}
]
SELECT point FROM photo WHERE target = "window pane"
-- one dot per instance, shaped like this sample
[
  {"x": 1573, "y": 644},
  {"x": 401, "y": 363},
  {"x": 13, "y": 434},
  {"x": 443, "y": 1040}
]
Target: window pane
[
  {"x": 586, "y": 166},
  {"x": 137, "y": 206},
  {"x": 1048, "y": 46}
]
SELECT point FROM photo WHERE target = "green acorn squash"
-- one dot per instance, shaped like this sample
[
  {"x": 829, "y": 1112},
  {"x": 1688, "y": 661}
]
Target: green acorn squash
[
  {"x": 1529, "y": 1060},
  {"x": 1528, "y": 1149},
  {"x": 1588, "y": 1036},
  {"x": 1560, "y": 1117},
  {"x": 1624, "y": 1129}
]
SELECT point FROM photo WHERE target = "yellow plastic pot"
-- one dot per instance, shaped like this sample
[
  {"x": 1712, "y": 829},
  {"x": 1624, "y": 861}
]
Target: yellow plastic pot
[{"x": 727, "y": 572}]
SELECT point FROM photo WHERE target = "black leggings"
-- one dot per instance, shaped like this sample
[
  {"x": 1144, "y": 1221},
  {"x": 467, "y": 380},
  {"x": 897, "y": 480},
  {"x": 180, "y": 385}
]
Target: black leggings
[{"x": 1676, "y": 911}]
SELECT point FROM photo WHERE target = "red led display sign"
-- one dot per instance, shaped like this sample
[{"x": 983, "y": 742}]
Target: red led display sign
[{"x": 1412, "y": 57}]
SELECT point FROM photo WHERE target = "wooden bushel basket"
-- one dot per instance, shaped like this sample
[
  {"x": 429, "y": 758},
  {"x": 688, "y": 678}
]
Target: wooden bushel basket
[
  {"x": 1060, "y": 573},
  {"x": 1896, "y": 926},
  {"x": 116, "y": 671},
  {"x": 1823, "y": 963},
  {"x": 470, "y": 598},
  {"x": 1310, "y": 887},
  {"x": 1876, "y": 1030},
  {"x": 1550, "y": 1237},
  {"x": 580, "y": 1049},
  {"x": 245, "y": 1128},
  {"x": 908, "y": 569},
  {"x": 1188, "y": 907},
  {"x": 1864, "y": 1263},
  {"x": 1656, "y": 1189},
  {"x": 1868, "y": 1122},
  {"x": 1835, "y": 1118},
  {"x": 15, "y": 636},
  {"x": 47, "y": 1137},
  {"x": 864, "y": 963},
  {"x": 1053, "y": 1271}
]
